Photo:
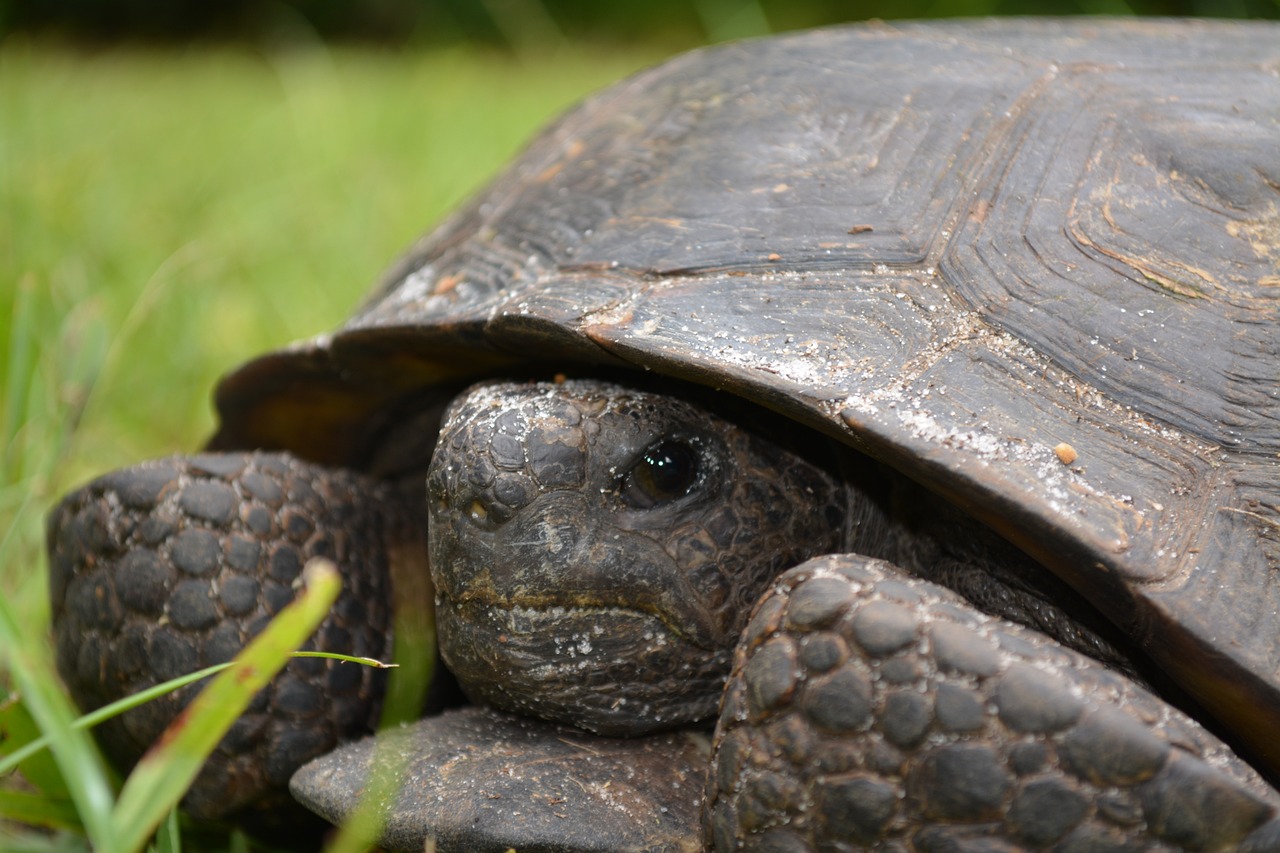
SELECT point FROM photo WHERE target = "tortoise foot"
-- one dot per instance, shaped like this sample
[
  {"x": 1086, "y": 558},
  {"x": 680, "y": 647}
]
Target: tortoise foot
[
  {"x": 482, "y": 781},
  {"x": 868, "y": 709},
  {"x": 164, "y": 568}
]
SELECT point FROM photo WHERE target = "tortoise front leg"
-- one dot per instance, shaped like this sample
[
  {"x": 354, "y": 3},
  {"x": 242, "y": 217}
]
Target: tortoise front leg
[
  {"x": 175, "y": 564},
  {"x": 870, "y": 710}
]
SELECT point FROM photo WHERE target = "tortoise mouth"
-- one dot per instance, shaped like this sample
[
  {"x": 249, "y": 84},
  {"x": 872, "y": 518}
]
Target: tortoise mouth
[
  {"x": 613, "y": 670},
  {"x": 530, "y": 613}
]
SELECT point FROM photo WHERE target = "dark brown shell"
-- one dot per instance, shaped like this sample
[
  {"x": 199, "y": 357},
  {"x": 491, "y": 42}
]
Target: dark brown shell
[{"x": 955, "y": 246}]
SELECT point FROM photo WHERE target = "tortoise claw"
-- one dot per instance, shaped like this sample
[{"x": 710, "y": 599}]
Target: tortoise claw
[{"x": 867, "y": 706}]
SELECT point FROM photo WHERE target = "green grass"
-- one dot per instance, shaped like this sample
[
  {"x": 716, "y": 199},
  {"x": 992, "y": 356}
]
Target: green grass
[{"x": 164, "y": 216}]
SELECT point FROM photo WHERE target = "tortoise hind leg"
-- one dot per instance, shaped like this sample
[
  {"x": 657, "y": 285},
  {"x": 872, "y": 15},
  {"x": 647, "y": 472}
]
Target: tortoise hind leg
[
  {"x": 870, "y": 709},
  {"x": 173, "y": 565}
]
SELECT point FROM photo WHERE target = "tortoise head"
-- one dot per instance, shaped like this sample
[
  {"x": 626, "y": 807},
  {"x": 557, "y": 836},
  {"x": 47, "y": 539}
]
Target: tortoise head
[{"x": 596, "y": 549}]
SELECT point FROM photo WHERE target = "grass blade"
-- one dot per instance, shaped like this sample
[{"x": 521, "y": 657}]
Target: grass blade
[
  {"x": 17, "y": 381},
  {"x": 169, "y": 838},
  {"x": 18, "y": 731},
  {"x": 106, "y": 712},
  {"x": 78, "y": 760},
  {"x": 167, "y": 770},
  {"x": 15, "y": 756},
  {"x": 41, "y": 842},
  {"x": 415, "y": 645},
  {"x": 38, "y": 810}
]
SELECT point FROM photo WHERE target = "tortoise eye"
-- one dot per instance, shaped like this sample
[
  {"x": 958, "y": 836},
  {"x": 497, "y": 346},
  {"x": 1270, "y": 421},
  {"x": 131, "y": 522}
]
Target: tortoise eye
[{"x": 665, "y": 472}]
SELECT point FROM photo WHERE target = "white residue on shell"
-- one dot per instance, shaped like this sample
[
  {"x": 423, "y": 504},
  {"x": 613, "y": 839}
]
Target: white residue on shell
[{"x": 923, "y": 424}]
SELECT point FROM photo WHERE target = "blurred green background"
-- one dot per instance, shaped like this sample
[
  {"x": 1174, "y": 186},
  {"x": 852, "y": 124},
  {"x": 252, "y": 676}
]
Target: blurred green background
[
  {"x": 185, "y": 185},
  {"x": 516, "y": 23}
]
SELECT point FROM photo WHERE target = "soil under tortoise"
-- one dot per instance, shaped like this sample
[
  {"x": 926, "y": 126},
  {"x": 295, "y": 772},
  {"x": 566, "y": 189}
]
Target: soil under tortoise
[{"x": 986, "y": 304}]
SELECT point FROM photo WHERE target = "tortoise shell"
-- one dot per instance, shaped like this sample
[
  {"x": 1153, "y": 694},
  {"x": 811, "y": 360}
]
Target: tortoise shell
[{"x": 1033, "y": 264}]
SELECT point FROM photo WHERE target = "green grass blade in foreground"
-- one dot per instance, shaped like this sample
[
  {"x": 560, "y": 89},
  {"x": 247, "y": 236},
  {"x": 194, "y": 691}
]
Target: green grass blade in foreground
[
  {"x": 17, "y": 841},
  {"x": 15, "y": 756},
  {"x": 415, "y": 655},
  {"x": 106, "y": 712},
  {"x": 166, "y": 771},
  {"x": 22, "y": 748},
  {"x": 169, "y": 836},
  {"x": 38, "y": 810},
  {"x": 78, "y": 760}
]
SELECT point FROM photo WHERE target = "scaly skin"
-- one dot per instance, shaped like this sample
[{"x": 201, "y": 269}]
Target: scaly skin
[
  {"x": 596, "y": 551},
  {"x": 558, "y": 596},
  {"x": 173, "y": 565},
  {"x": 869, "y": 707}
]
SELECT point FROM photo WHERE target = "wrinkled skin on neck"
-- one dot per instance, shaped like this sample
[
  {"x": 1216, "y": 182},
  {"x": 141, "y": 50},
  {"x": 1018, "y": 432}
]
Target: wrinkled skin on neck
[{"x": 596, "y": 550}]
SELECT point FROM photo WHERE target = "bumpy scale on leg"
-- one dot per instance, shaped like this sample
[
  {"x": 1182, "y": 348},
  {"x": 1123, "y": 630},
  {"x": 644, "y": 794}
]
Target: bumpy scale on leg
[
  {"x": 173, "y": 565},
  {"x": 871, "y": 711}
]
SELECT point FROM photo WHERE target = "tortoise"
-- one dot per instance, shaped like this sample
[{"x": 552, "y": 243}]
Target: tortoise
[{"x": 771, "y": 341}]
